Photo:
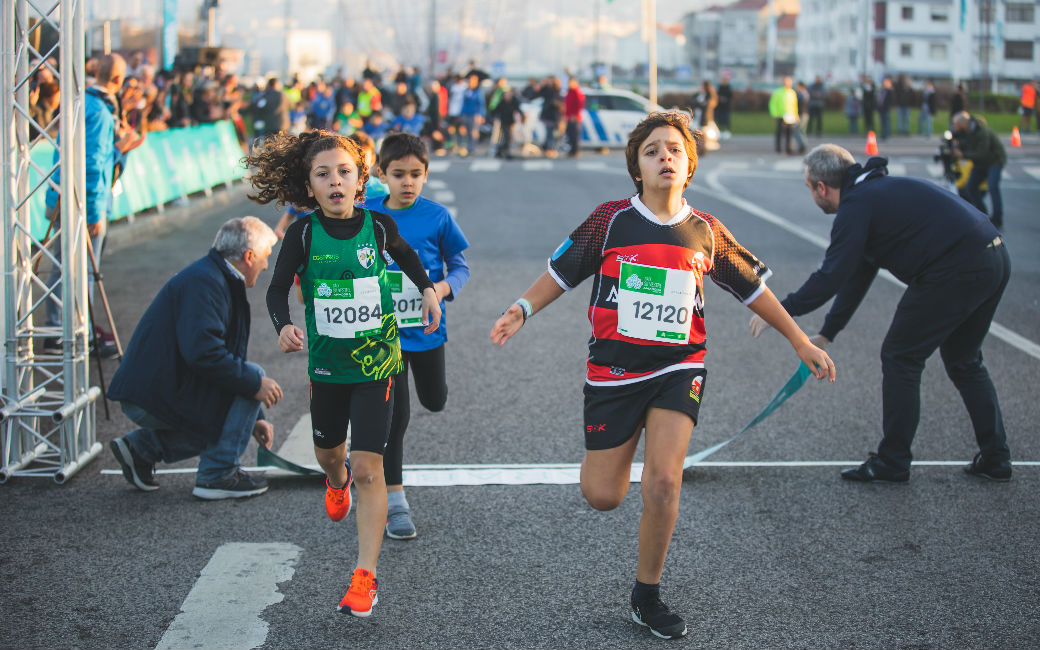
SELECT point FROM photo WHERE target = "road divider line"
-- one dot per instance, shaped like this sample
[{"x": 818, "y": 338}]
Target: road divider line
[
  {"x": 721, "y": 193},
  {"x": 225, "y": 605}
]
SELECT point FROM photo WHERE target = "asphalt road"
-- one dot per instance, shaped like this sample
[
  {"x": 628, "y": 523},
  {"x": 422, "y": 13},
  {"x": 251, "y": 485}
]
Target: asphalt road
[{"x": 764, "y": 556}]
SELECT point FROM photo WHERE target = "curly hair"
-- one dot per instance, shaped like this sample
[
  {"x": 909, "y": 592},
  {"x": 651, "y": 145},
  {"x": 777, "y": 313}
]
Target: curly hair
[
  {"x": 677, "y": 119},
  {"x": 282, "y": 166}
]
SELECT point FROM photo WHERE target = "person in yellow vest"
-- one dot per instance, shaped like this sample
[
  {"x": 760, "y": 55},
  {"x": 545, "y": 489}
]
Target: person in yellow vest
[{"x": 783, "y": 107}]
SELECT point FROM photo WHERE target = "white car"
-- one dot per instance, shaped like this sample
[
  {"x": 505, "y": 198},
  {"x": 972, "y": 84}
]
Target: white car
[{"x": 607, "y": 119}]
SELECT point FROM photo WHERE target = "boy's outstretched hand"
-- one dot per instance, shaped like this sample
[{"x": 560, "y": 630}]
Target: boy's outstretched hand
[
  {"x": 431, "y": 310},
  {"x": 818, "y": 361},
  {"x": 507, "y": 325}
]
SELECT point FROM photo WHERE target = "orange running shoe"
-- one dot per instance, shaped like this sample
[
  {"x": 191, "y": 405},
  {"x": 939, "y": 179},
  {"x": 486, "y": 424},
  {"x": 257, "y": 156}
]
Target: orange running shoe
[
  {"x": 337, "y": 500},
  {"x": 361, "y": 597}
]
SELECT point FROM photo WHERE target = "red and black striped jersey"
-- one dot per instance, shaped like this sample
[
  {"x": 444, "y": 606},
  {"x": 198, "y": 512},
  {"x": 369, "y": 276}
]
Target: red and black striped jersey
[{"x": 627, "y": 231}]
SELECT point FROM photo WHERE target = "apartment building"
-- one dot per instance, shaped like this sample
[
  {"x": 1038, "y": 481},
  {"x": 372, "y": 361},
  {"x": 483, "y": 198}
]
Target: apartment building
[{"x": 992, "y": 42}]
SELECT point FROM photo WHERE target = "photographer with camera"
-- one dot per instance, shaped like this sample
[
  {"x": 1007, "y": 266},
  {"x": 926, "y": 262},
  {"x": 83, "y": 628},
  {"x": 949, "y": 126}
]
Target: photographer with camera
[{"x": 976, "y": 142}]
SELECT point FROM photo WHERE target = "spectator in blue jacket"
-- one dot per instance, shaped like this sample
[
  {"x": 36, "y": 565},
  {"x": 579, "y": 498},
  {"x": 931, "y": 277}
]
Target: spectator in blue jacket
[
  {"x": 473, "y": 112},
  {"x": 955, "y": 266},
  {"x": 106, "y": 141},
  {"x": 185, "y": 379}
]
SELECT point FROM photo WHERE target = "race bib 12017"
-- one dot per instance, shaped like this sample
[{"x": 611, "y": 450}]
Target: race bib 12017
[{"x": 407, "y": 299}]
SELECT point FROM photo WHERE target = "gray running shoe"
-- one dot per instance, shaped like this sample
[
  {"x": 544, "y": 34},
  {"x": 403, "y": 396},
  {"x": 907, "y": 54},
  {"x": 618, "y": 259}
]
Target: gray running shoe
[
  {"x": 238, "y": 485},
  {"x": 399, "y": 523}
]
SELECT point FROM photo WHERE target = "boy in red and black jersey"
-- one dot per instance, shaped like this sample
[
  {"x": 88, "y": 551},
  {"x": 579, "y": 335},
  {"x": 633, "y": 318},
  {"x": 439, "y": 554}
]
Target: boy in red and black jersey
[{"x": 649, "y": 255}]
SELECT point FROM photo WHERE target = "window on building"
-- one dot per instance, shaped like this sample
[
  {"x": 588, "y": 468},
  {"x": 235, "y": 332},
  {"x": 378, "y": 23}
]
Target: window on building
[
  {"x": 908, "y": 12},
  {"x": 937, "y": 52},
  {"x": 852, "y": 58},
  {"x": 1019, "y": 12},
  {"x": 987, "y": 11},
  {"x": 940, "y": 14},
  {"x": 906, "y": 49},
  {"x": 1018, "y": 50}
]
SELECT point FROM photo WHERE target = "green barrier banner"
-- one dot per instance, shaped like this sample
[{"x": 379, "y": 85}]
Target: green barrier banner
[{"x": 170, "y": 164}]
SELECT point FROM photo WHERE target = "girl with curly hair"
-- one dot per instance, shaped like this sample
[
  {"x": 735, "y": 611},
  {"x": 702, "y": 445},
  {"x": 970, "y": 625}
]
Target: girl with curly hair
[{"x": 353, "y": 347}]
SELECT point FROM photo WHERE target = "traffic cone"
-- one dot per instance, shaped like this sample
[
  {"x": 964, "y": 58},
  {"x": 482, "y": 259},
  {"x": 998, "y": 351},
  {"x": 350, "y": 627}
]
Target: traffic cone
[
  {"x": 1016, "y": 137},
  {"x": 871, "y": 144}
]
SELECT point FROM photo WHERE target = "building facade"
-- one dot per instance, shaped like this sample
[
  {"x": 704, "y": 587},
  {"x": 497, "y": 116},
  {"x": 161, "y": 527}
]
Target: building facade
[{"x": 992, "y": 43}]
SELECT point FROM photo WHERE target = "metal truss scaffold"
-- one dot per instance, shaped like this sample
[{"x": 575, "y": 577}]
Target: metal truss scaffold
[{"x": 47, "y": 413}]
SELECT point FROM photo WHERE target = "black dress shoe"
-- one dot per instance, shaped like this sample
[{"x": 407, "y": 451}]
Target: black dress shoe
[
  {"x": 875, "y": 470},
  {"x": 986, "y": 469}
]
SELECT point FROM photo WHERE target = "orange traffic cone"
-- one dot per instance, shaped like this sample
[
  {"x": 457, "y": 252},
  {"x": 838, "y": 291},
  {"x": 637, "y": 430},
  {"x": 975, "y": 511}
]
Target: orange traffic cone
[
  {"x": 1016, "y": 137},
  {"x": 871, "y": 144}
]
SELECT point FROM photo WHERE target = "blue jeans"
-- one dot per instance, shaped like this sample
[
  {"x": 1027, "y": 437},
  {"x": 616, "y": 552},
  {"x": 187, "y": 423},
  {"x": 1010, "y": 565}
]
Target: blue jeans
[
  {"x": 991, "y": 175},
  {"x": 924, "y": 123},
  {"x": 886, "y": 124},
  {"x": 53, "y": 310},
  {"x": 470, "y": 122},
  {"x": 903, "y": 120},
  {"x": 157, "y": 441}
]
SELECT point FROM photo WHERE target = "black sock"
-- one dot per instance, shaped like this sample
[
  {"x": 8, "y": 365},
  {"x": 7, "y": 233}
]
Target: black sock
[{"x": 642, "y": 591}]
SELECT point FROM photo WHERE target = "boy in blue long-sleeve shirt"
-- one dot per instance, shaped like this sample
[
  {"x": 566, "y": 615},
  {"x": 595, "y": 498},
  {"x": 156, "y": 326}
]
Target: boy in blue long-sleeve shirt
[{"x": 428, "y": 227}]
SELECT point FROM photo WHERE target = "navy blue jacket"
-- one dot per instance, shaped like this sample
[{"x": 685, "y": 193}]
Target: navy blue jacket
[
  {"x": 908, "y": 226},
  {"x": 187, "y": 358}
]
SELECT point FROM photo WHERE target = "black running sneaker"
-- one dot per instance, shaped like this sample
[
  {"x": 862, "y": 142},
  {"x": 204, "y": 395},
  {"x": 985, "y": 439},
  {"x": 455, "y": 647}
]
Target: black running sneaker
[
  {"x": 136, "y": 471},
  {"x": 236, "y": 486},
  {"x": 652, "y": 613}
]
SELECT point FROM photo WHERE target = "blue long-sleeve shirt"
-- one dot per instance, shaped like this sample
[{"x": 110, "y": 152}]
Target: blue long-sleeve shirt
[
  {"x": 99, "y": 125},
  {"x": 908, "y": 226}
]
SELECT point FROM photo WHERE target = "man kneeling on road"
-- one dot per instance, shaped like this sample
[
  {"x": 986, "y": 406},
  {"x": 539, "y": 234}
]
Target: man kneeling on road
[
  {"x": 956, "y": 268},
  {"x": 184, "y": 378}
]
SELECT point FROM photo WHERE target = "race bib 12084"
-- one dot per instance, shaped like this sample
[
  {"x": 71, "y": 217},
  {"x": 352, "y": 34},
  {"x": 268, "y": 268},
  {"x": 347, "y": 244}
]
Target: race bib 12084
[{"x": 347, "y": 309}]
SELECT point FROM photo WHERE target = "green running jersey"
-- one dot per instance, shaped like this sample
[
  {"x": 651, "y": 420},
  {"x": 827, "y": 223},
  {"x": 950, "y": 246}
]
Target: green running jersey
[{"x": 351, "y": 329}]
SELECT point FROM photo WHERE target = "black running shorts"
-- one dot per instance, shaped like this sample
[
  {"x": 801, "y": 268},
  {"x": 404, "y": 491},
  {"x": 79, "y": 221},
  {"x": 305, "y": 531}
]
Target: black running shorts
[
  {"x": 613, "y": 414},
  {"x": 366, "y": 406}
]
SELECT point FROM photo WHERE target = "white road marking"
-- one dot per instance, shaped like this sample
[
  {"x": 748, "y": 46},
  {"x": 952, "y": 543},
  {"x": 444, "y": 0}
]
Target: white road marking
[
  {"x": 444, "y": 196},
  {"x": 935, "y": 170},
  {"x": 439, "y": 166},
  {"x": 720, "y": 192},
  {"x": 592, "y": 165},
  {"x": 436, "y": 184},
  {"x": 224, "y": 607},
  {"x": 896, "y": 169},
  {"x": 536, "y": 165},
  {"x": 788, "y": 165},
  {"x": 1033, "y": 171},
  {"x": 485, "y": 166}
]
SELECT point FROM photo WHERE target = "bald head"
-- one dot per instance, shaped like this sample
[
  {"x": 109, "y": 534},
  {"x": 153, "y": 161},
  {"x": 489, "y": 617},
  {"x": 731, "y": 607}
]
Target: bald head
[{"x": 111, "y": 71}]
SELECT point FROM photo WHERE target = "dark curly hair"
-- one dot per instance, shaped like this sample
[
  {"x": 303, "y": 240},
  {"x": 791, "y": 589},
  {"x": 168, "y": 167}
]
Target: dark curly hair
[
  {"x": 282, "y": 166},
  {"x": 677, "y": 119}
]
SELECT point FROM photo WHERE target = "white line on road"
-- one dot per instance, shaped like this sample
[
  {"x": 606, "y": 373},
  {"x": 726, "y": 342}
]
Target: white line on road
[
  {"x": 564, "y": 473},
  {"x": 444, "y": 196},
  {"x": 1033, "y": 171},
  {"x": 721, "y": 193},
  {"x": 536, "y": 165},
  {"x": 592, "y": 165},
  {"x": 485, "y": 166},
  {"x": 439, "y": 166},
  {"x": 224, "y": 606}
]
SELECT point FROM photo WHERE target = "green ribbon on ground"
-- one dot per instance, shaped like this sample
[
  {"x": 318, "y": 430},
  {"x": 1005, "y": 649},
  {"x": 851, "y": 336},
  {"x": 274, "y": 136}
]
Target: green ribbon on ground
[{"x": 796, "y": 381}]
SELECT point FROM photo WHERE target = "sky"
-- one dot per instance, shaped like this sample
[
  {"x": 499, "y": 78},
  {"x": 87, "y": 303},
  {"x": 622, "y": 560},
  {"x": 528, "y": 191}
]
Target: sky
[{"x": 538, "y": 34}]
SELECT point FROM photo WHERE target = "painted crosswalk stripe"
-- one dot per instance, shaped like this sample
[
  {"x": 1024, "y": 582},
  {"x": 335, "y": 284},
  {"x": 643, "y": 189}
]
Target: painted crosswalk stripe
[
  {"x": 224, "y": 607},
  {"x": 537, "y": 165},
  {"x": 436, "y": 184},
  {"x": 592, "y": 165},
  {"x": 439, "y": 166},
  {"x": 896, "y": 169},
  {"x": 444, "y": 196},
  {"x": 485, "y": 166},
  {"x": 788, "y": 165},
  {"x": 1032, "y": 171}
]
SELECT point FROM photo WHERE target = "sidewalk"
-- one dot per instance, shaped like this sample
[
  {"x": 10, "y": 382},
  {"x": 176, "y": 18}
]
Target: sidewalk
[{"x": 913, "y": 145}]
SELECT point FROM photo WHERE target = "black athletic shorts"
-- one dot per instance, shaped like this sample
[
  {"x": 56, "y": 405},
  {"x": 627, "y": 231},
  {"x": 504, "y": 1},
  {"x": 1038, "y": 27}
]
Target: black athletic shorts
[
  {"x": 613, "y": 414},
  {"x": 367, "y": 407}
]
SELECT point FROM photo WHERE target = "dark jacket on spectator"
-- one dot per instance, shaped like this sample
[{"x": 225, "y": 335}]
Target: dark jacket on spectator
[{"x": 186, "y": 360}]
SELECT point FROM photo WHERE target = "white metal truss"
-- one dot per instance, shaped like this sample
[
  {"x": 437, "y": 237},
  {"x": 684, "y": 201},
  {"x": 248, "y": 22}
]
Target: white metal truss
[{"x": 47, "y": 415}]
